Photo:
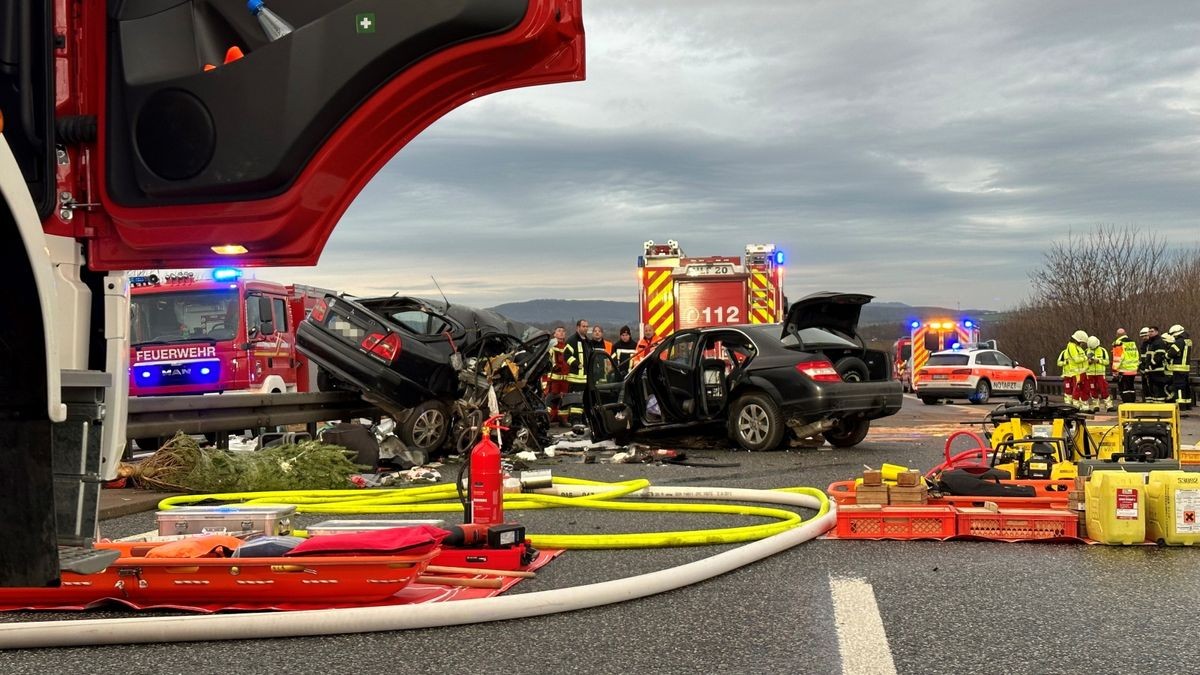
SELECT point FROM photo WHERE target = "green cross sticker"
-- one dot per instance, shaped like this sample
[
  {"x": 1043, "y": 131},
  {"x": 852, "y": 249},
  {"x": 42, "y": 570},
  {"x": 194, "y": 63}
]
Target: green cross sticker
[{"x": 365, "y": 23}]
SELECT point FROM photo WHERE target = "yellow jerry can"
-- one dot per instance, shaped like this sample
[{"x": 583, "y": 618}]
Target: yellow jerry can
[
  {"x": 1116, "y": 507},
  {"x": 1172, "y": 507}
]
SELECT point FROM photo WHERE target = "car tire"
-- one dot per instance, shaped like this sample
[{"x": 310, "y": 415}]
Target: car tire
[
  {"x": 983, "y": 392},
  {"x": 930, "y": 400},
  {"x": 755, "y": 422},
  {"x": 852, "y": 369},
  {"x": 426, "y": 427},
  {"x": 848, "y": 435},
  {"x": 1028, "y": 390}
]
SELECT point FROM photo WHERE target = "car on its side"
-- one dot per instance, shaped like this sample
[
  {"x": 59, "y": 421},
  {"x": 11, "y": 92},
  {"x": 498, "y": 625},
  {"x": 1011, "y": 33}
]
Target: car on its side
[
  {"x": 429, "y": 364},
  {"x": 812, "y": 376},
  {"x": 973, "y": 374}
]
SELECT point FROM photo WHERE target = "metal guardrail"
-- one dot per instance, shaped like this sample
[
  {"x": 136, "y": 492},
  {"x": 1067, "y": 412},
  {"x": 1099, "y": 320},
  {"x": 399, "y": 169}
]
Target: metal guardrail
[
  {"x": 1052, "y": 384},
  {"x": 165, "y": 415}
]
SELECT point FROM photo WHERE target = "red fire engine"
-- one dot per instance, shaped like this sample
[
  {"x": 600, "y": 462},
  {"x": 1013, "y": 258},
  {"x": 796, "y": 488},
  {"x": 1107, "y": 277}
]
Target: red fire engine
[
  {"x": 926, "y": 337},
  {"x": 678, "y": 292},
  {"x": 192, "y": 335}
]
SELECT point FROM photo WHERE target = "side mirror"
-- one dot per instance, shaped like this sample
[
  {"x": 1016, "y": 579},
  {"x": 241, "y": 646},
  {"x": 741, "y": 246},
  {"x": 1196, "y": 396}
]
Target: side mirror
[{"x": 1016, "y": 363}]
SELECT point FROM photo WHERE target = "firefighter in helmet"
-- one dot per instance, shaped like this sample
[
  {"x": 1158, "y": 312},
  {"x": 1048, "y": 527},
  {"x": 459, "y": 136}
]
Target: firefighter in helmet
[
  {"x": 1074, "y": 361},
  {"x": 1180, "y": 366}
]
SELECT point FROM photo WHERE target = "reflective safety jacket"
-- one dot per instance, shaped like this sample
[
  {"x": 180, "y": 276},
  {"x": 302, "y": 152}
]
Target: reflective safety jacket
[
  {"x": 558, "y": 360},
  {"x": 623, "y": 351},
  {"x": 1098, "y": 363},
  {"x": 1154, "y": 359},
  {"x": 1074, "y": 360},
  {"x": 1182, "y": 355},
  {"x": 576, "y": 353},
  {"x": 1125, "y": 356}
]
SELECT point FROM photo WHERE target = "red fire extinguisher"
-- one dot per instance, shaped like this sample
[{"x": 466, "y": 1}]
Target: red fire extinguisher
[{"x": 486, "y": 479}]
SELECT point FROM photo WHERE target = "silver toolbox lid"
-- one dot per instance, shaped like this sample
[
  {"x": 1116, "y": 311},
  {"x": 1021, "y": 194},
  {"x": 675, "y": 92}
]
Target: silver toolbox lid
[
  {"x": 230, "y": 511},
  {"x": 349, "y": 526}
]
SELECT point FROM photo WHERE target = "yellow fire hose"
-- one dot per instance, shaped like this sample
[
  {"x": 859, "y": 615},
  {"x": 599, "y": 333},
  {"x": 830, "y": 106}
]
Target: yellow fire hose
[{"x": 585, "y": 494}]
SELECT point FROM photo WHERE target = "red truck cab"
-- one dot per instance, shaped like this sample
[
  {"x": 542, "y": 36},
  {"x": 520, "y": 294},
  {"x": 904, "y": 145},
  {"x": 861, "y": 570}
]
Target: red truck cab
[{"x": 194, "y": 335}]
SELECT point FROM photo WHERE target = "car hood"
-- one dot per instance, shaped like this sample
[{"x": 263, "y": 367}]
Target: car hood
[{"x": 827, "y": 309}]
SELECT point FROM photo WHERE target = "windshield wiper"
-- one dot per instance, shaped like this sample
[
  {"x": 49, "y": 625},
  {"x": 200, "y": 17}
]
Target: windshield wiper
[{"x": 189, "y": 338}]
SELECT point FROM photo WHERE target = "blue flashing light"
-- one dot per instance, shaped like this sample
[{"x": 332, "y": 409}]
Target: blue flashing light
[
  {"x": 180, "y": 373},
  {"x": 915, "y": 325},
  {"x": 956, "y": 346},
  {"x": 778, "y": 257},
  {"x": 226, "y": 274},
  {"x": 968, "y": 324}
]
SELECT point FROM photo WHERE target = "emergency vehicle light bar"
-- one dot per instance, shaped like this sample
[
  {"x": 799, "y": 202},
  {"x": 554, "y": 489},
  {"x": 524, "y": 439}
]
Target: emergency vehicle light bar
[{"x": 226, "y": 274}]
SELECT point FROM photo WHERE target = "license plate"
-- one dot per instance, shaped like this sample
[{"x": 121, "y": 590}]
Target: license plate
[{"x": 941, "y": 377}]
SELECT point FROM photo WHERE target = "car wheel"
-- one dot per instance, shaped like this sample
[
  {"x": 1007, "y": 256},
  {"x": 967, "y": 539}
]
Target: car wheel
[
  {"x": 983, "y": 392},
  {"x": 848, "y": 434},
  {"x": 755, "y": 422},
  {"x": 930, "y": 400},
  {"x": 852, "y": 369},
  {"x": 1028, "y": 390},
  {"x": 426, "y": 427}
]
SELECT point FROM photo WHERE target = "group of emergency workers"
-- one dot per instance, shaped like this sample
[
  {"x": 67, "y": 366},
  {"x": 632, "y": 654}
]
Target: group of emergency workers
[
  {"x": 568, "y": 364},
  {"x": 1163, "y": 362}
]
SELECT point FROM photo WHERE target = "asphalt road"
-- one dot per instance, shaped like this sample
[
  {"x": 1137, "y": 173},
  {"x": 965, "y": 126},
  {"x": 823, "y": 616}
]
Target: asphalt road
[{"x": 825, "y": 606}]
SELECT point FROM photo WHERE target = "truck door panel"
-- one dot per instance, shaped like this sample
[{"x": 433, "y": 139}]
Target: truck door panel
[{"x": 268, "y": 150}]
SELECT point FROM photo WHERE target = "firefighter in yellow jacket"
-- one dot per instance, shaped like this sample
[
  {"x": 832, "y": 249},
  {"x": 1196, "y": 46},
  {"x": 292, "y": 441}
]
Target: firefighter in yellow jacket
[
  {"x": 1125, "y": 357},
  {"x": 1074, "y": 362}
]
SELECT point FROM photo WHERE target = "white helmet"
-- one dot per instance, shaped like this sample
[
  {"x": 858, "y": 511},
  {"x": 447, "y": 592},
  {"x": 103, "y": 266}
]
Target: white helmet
[
  {"x": 1169, "y": 339},
  {"x": 1079, "y": 336},
  {"x": 1175, "y": 330},
  {"x": 1144, "y": 332},
  {"x": 1093, "y": 342}
]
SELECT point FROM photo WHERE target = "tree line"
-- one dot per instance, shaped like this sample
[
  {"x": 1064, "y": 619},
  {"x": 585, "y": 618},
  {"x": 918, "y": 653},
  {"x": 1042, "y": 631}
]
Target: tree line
[{"x": 1097, "y": 282}]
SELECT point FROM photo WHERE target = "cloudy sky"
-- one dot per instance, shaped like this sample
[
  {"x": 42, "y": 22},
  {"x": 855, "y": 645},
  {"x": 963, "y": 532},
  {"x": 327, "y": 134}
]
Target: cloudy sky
[{"x": 923, "y": 152}]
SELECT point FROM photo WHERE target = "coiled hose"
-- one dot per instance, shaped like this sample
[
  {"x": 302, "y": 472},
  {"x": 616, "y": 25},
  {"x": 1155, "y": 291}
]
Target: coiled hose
[{"x": 503, "y": 607}]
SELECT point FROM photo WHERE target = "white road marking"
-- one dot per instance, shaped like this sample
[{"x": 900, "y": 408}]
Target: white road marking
[{"x": 861, "y": 638}]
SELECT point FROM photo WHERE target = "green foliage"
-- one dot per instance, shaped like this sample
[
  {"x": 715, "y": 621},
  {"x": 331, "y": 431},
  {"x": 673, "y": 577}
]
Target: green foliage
[{"x": 181, "y": 464}]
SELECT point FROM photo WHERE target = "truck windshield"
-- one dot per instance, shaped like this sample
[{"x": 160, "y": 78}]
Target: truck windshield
[{"x": 184, "y": 316}]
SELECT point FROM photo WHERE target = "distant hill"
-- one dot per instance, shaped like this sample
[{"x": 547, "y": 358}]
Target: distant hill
[
  {"x": 608, "y": 313},
  {"x": 612, "y": 314}
]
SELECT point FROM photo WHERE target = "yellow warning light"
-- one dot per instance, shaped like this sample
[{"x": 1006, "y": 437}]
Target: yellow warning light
[{"x": 229, "y": 249}]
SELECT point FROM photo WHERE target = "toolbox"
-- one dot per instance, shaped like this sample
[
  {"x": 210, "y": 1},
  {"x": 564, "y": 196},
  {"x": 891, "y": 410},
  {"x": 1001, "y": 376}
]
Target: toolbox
[
  {"x": 354, "y": 526},
  {"x": 269, "y": 519}
]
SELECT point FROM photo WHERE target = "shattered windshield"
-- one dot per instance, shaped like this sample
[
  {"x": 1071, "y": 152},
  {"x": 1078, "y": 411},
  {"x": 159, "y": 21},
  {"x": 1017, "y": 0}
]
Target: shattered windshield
[{"x": 184, "y": 316}]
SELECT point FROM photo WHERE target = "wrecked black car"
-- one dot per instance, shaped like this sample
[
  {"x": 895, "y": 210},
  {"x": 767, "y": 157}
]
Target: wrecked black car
[
  {"x": 431, "y": 365},
  {"x": 811, "y": 377}
]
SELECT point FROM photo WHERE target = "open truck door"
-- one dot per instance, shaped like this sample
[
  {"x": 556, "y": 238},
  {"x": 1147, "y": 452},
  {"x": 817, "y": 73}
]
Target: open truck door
[{"x": 127, "y": 142}]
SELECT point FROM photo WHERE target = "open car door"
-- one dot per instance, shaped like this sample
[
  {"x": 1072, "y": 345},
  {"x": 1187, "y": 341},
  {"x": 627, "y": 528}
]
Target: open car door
[
  {"x": 603, "y": 403},
  {"x": 264, "y": 153}
]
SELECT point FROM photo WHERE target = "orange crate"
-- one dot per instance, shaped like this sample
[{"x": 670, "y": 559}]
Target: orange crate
[
  {"x": 895, "y": 522},
  {"x": 1017, "y": 523},
  {"x": 1048, "y": 494}
]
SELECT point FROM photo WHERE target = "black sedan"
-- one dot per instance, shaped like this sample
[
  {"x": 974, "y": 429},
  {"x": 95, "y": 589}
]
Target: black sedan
[
  {"x": 428, "y": 364},
  {"x": 810, "y": 377}
]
